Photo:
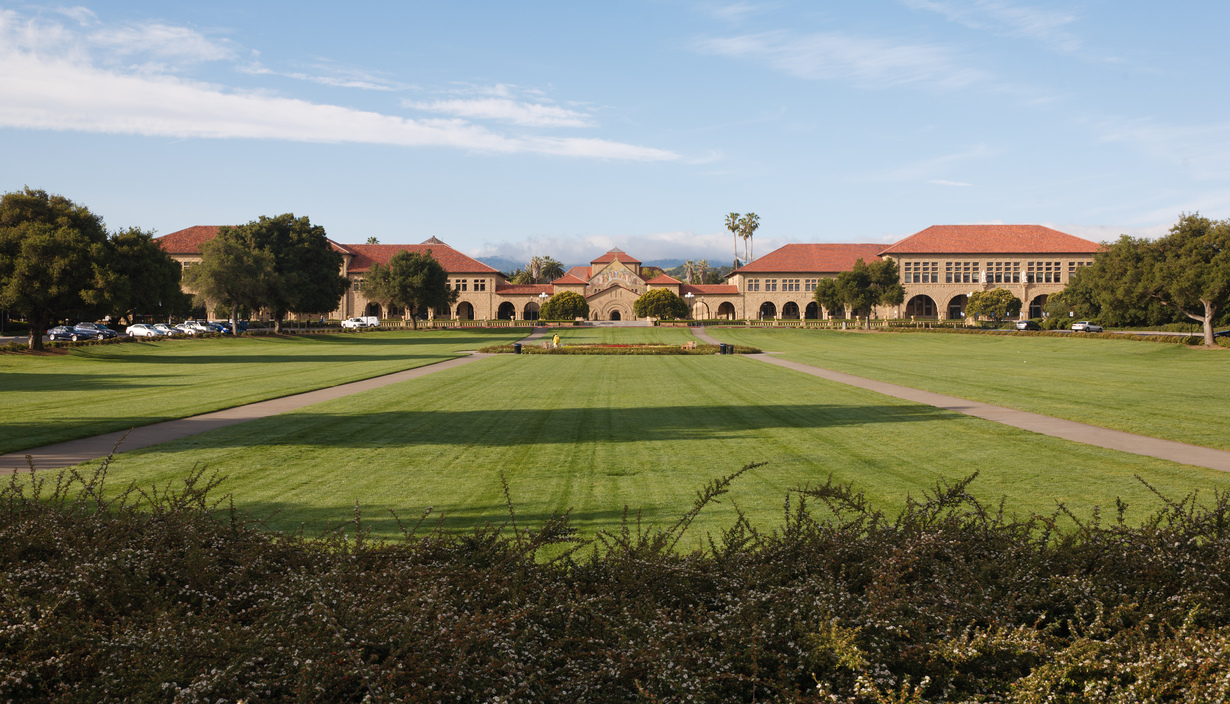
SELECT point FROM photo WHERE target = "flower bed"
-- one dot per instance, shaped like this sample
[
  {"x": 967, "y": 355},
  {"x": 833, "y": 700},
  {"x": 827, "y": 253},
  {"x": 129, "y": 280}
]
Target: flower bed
[{"x": 616, "y": 349}]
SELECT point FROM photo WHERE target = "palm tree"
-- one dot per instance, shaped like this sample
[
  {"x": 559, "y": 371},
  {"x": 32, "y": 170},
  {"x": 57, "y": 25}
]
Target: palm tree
[
  {"x": 747, "y": 228},
  {"x": 373, "y": 240},
  {"x": 733, "y": 224},
  {"x": 689, "y": 270},
  {"x": 534, "y": 269},
  {"x": 551, "y": 269},
  {"x": 702, "y": 270}
]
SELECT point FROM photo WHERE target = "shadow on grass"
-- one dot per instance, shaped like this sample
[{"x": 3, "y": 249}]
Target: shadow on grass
[{"x": 22, "y": 381}]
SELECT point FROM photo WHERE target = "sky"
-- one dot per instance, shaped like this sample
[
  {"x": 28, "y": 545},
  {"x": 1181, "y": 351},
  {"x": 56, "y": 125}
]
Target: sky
[{"x": 564, "y": 129}]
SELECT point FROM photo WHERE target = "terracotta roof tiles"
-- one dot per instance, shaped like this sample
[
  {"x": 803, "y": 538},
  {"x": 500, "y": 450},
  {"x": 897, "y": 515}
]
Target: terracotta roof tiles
[
  {"x": 616, "y": 254},
  {"x": 812, "y": 258},
  {"x": 664, "y": 280},
  {"x": 708, "y": 290},
  {"x": 523, "y": 289},
  {"x": 454, "y": 262},
  {"x": 991, "y": 239},
  {"x": 568, "y": 280},
  {"x": 188, "y": 240}
]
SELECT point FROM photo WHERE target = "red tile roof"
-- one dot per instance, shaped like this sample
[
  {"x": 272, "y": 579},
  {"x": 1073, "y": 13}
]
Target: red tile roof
[
  {"x": 523, "y": 289},
  {"x": 812, "y": 258},
  {"x": 454, "y": 262},
  {"x": 581, "y": 272},
  {"x": 708, "y": 290},
  {"x": 664, "y": 280},
  {"x": 616, "y": 254},
  {"x": 991, "y": 239},
  {"x": 189, "y": 240},
  {"x": 569, "y": 280}
]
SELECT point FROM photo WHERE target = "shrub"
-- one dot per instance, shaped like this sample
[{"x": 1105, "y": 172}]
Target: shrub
[
  {"x": 660, "y": 303},
  {"x": 565, "y": 305}
]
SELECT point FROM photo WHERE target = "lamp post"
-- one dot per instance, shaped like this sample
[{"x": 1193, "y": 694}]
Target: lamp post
[
  {"x": 542, "y": 298},
  {"x": 691, "y": 302}
]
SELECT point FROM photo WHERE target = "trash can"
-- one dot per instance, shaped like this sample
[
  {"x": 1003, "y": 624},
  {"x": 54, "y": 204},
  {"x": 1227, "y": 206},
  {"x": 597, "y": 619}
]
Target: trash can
[
  {"x": 516, "y": 348},
  {"x": 721, "y": 348}
]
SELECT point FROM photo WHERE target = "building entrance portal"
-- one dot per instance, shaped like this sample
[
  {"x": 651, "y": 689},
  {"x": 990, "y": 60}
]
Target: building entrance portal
[
  {"x": 615, "y": 315},
  {"x": 373, "y": 310},
  {"x": 956, "y": 307},
  {"x": 1037, "y": 306}
]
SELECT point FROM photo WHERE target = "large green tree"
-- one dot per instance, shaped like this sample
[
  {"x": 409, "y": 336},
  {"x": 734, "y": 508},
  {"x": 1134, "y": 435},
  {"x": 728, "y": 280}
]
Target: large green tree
[
  {"x": 1187, "y": 271},
  {"x": 868, "y": 285},
  {"x": 232, "y": 273},
  {"x": 307, "y": 269},
  {"x": 565, "y": 305},
  {"x": 53, "y": 255},
  {"x": 996, "y": 304},
  {"x": 828, "y": 295},
  {"x": 142, "y": 278},
  {"x": 412, "y": 280},
  {"x": 660, "y": 303}
]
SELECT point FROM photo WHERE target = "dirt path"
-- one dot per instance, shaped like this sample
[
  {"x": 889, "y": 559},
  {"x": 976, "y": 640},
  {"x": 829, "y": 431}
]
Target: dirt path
[
  {"x": 1033, "y": 422},
  {"x": 67, "y": 454}
]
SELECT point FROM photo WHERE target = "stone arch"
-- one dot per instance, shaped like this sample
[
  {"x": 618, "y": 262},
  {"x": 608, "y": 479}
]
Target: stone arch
[
  {"x": 726, "y": 311},
  {"x": 956, "y": 306},
  {"x": 921, "y": 306},
  {"x": 790, "y": 310},
  {"x": 1037, "y": 307},
  {"x": 700, "y": 310},
  {"x": 768, "y": 310},
  {"x": 465, "y": 311},
  {"x": 812, "y": 311},
  {"x": 372, "y": 310},
  {"x": 615, "y": 315},
  {"x": 530, "y": 312},
  {"x": 506, "y": 311}
]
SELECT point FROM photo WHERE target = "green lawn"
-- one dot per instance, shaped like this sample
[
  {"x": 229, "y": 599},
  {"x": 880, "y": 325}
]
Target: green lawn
[
  {"x": 1163, "y": 390},
  {"x": 92, "y": 390},
  {"x": 629, "y": 336},
  {"x": 597, "y": 433}
]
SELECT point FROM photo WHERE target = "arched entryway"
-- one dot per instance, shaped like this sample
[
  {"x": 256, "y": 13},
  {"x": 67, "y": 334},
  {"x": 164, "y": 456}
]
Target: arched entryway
[
  {"x": 465, "y": 311},
  {"x": 1037, "y": 307},
  {"x": 615, "y": 315},
  {"x": 726, "y": 311},
  {"x": 700, "y": 311},
  {"x": 812, "y": 311},
  {"x": 507, "y": 311},
  {"x": 956, "y": 307},
  {"x": 790, "y": 310},
  {"x": 920, "y": 307},
  {"x": 531, "y": 311},
  {"x": 373, "y": 310},
  {"x": 768, "y": 311}
]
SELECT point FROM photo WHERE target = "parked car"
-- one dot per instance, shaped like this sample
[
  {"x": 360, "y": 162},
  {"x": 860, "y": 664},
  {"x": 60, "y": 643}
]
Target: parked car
[
  {"x": 1086, "y": 326},
  {"x": 61, "y": 332},
  {"x": 1027, "y": 325},
  {"x": 189, "y": 328},
  {"x": 1222, "y": 333},
  {"x": 363, "y": 322},
  {"x": 96, "y": 330},
  {"x": 165, "y": 329},
  {"x": 142, "y": 330}
]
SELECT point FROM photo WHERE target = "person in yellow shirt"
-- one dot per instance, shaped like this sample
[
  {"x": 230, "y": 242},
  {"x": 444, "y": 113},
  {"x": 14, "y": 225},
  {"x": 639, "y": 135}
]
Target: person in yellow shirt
[{"x": 555, "y": 341}]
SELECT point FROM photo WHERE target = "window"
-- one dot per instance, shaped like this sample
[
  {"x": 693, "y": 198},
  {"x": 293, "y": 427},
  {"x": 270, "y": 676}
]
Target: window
[
  {"x": 809, "y": 284},
  {"x": 947, "y": 272},
  {"x": 753, "y": 284},
  {"x": 770, "y": 284},
  {"x": 1016, "y": 272},
  {"x": 358, "y": 284},
  {"x": 480, "y": 284}
]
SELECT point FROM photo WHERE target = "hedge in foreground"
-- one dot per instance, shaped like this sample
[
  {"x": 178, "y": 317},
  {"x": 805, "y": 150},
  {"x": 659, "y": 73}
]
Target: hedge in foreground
[{"x": 166, "y": 596}]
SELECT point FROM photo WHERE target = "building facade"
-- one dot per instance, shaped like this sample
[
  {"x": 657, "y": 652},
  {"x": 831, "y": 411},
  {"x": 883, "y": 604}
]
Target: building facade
[{"x": 940, "y": 267}]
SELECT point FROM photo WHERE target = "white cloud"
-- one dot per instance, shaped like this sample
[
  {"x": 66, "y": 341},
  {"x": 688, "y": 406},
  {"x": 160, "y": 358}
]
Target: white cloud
[
  {"x": 331, "y": 76},
  {"x": 161, "y": 40},
  {"x": 717, "y": 248},
  {"x": 50, "y": 81},
  {"x": 505, "y": 110},
  {"x": 942, "y": 182},
  {"x": 866, "y": 61},
  {"x": 735, "y": 11},
  {"x": 1006, "y": 19}
]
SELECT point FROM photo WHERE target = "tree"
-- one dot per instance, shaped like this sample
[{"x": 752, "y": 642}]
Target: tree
[
  {"x": 869, "y": 285},
  {"x": 307, "y": 269},
  {"x": 734, "y": 225},
  {"x": 372, "y": 240},
  {"x": 52, "y": 259},
  {"x": 232, "y": 273},
  {"x": 1187, "y": 271},
  {"x": 996, "y": 304},
  {"x": 748, "y": 225},
  {"x": 689, "y": 270},
  {"x": 565, "y": 305},
  {"x": 660, "y": 303},
  {"x": 141, "y": 277},
  {"x": 828, "y": 295},
  {"x": 702, "y": 271},
  {"x": 551, "y": 270},
  {"x": 412, "y": 280}
]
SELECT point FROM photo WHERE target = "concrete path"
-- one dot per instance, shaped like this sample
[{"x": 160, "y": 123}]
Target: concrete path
[
  {"x": 67, "y": 454},
  {"x": 1033, "y": 422}
]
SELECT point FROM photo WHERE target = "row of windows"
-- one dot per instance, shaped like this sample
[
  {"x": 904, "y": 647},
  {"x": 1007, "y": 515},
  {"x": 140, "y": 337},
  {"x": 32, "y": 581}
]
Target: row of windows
[
  {"x": 464, "y": 284},
  {"x": 997, "y": 272}
]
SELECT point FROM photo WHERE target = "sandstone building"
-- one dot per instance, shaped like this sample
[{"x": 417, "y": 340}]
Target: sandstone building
[{"x": 940, "y": 267}]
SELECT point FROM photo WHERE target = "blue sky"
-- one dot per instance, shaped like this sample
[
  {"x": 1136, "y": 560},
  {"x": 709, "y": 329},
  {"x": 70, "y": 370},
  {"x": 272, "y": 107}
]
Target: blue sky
[{"x": 567, "y": 128}]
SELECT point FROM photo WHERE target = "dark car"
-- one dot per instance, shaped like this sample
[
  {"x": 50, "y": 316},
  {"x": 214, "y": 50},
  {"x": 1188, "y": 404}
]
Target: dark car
[
  {"x": 60, "y": 332},
  {"x": 1027, "y": 325},
  {"x": 95, "y": 331},
  {"x": 1222, "y": 333}
]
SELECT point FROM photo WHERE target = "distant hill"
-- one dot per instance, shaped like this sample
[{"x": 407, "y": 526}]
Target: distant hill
[{"x": 504, "y": 264}]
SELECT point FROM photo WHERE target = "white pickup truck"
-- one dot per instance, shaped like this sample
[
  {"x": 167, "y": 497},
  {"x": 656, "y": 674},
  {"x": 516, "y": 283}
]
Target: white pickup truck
[{"x": 369, "y": 321}]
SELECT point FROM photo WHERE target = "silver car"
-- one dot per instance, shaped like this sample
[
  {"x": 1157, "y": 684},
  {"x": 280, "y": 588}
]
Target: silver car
[{"x": 1086, "y": 326}]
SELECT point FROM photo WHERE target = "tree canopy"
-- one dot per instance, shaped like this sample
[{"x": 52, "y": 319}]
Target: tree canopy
[
  {"x": 863, "y": 287},
  {"x": 996, "y": 304},
  {"x": 142, "y": 277},
  {"x": 660, "y": 303},
  {"x": 828, "y": 295},
  {"x": 412, "y": 280},
  {"x": 565, "y": 305},
  {"x": 53, "y": 255},
  {"x": 232, "y": 273}
]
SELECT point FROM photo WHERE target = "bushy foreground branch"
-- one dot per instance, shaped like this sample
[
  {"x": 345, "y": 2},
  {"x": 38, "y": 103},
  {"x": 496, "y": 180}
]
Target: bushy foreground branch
[{"x": 167, "y": 595}]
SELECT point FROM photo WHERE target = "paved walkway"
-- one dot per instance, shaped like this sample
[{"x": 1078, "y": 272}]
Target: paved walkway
[
  {"x": 67, "y": 454},
  {"x": 1033, "y": 422}
]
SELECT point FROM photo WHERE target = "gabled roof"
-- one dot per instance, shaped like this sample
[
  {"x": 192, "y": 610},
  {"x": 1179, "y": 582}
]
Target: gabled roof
[
  {"x": 568, "y": 280},
  {"x": 664, "y": 280},
  {"x": 991, "y": 239},
  {"x": 708, "y": 290},
  {"x": 188, "y": 240},
  {"x": 523, "y": 289},
  {"x": 454, "y": 262},
  {"x": 616, "y": 254},
  {"x": 822, "y": 257},
  {"x": 581, "y": 272}
]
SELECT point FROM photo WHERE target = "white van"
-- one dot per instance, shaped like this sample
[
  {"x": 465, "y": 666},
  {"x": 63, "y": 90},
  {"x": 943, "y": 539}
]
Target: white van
[{"x": 369, "y": 321}]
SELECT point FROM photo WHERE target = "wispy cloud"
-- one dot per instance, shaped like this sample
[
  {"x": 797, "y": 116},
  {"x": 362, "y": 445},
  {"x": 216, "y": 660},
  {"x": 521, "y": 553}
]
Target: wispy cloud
[
  {"x": 930, "y": 169},
  {"x": 1007, "y": 19},
  {"x": 735, "y": 11},
  {"x": 1202, "y": 151},
  {"x": 505, "y": 110},
  {"x": 866, "y": 61},
  {"x": 328, "y": 75},
  {"x": 51, "y": 80},
  {"x": 942, "y": 182},
  {"x": 162, "y": 41}
]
